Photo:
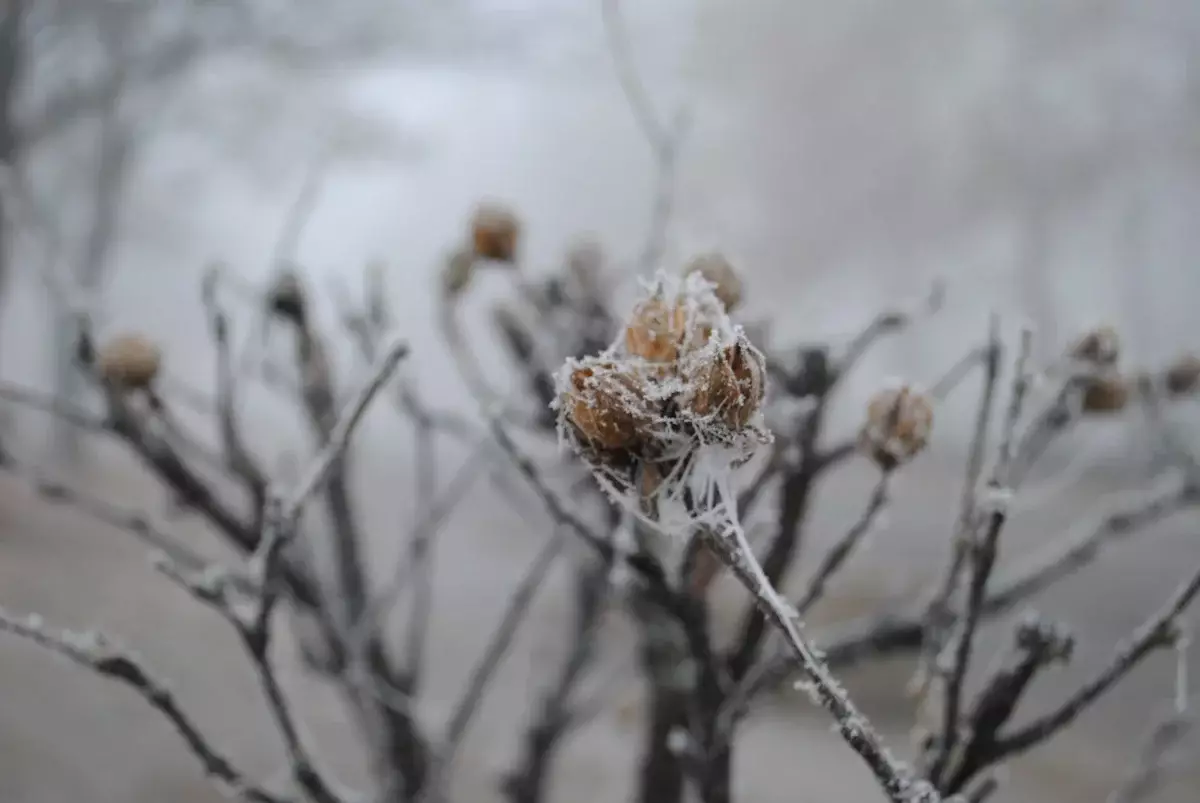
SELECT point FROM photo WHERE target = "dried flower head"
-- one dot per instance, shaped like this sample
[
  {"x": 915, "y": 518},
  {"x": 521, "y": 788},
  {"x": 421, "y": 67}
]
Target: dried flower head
[
  {"x": 495, "y": 232},
  {"x": 457, "y": 272},
  {"x": 678, "y": 396},
  {"x": 1105, "y": 394},
  {"x": 1183, "y": 376},
  {"x": 286, "y": 297},
  {"x": 898, "y": 425},
  {"x": 129, "y": 362},
  {"x": 607, "y": 404},
  {"x": 1100, "y": 347},
  {"x": 717, "y": 269}
]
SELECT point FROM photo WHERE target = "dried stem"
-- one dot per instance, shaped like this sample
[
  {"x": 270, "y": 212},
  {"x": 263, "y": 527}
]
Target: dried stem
[
  {"x": 485, "y": 670},
  {"x": 97, "y": 653},
  {"x": 983, "y": 560},
  {"x": 854, "y": 728}
]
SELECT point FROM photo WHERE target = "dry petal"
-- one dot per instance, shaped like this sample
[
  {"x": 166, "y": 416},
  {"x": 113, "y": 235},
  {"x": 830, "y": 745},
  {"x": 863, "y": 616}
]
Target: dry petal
[
  {"x": 730, "y": 385},
  {"x": 606, "y": 406},
  {"x": 656, "y": 330}
]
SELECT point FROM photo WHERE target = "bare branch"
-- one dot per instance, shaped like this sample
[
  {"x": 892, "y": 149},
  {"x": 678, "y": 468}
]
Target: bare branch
[
  {"x": 96, "y": 652},
  {"x": 897, "y": 781},
  {"x": 1160, "y": 630},
  {"x": 938, "y": 611},
  {"x": 842, "y": 550},
  {"x": 339, "y": 435},
  {"x": 983, "y": 560},
  {"x": 489, "y": 662}
]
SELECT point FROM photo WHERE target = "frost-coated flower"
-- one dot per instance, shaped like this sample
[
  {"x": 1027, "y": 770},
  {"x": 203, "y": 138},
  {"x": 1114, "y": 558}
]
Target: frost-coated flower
[{"x": 665, "y": 413}]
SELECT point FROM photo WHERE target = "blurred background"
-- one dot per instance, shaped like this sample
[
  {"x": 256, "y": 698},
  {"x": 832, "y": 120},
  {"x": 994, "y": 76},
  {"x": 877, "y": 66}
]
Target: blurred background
[{"x": 1043, "y": 158}]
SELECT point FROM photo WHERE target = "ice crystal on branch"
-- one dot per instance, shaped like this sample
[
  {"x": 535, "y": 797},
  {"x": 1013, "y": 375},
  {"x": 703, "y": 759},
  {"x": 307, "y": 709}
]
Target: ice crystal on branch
[{"x": 670, "y": 408}]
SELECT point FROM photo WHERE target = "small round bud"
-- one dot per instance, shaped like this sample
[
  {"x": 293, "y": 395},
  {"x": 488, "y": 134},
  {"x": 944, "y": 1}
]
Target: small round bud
[
  {"x": 606, "y": 406},
  {"x": 1100, "y": 347},
  {"x": 1105, "y": 394},
  {"x": 1183, "y": 376},
  {"x": 457, "y": 273},
  {"x": 495, "y": 232},
  {"x": 730, "y": 385},
  {"x": 656, "y": 330},
  {"x": 716, "y": 268},
  {"x": 286, "y": 297},
  {"x": 130, "y": 362},
  {"x": 898, "y": 426}
]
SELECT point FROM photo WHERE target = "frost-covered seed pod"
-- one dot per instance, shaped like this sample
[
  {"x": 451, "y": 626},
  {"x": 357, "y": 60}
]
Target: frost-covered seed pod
[
  {"x": 1106, "y": 394},
  {"x": 495, "y": 233},
  {"x": 1100, "y": 347},
  {"x": 606, "y": 405},
  {"x": 130, "y": 362},
  {"x": 898, "y": 425},
  {"x": 731, "y": 385},
  {"x": 717, "y": 269},
  {"x": 1183, "y": 376},
  {"x": 656, "y": 330}
]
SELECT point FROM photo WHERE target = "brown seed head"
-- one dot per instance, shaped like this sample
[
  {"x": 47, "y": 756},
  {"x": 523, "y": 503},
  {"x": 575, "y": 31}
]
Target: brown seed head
[
  {"x": 730, "y": 384},
  {"x": 1183, "y": 376},
  {"x": 1100, "y": 347},
  {"x": 1105, "y": 394},
  {"x": 286, "y": 297},
  {"x": 457, "y": 272},
  {"x": 717, "y": 269},
  {"x": 606, "y": 405},
  {"x": 495, "y": 232},
  {"x": 129, "y": 362},
  {"x": 656, "y": 330},
  {"x": 898, "y": 425}
]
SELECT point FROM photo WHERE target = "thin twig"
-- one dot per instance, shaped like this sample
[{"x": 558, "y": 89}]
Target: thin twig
[
  {"x": 842, "y": 550},
  {"x": 97, "y": 653},
  {"x": 983, "y": 560},
  {"x": 339, "y": 436},
  {"x": 489, "y": 662},
  {"x": 897, "y": 781}
]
